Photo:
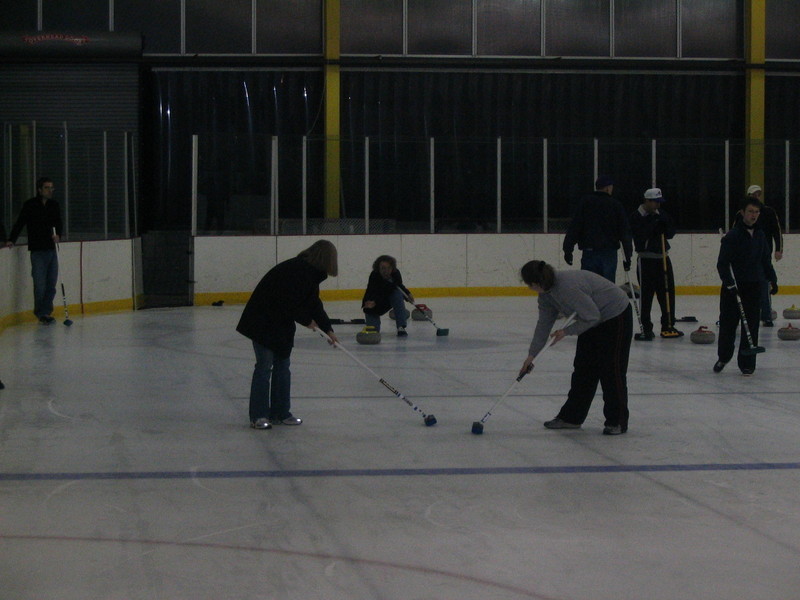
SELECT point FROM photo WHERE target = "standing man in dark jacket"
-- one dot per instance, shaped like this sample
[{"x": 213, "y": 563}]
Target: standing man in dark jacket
[
  {"x": 743, "y": 249},
  {"x": 41, "y": 215},
  {"x": 651, "y": 227},
  {"x": 770, "y": 224},
  {"x": 598, "y": 226},
  {"x": 287, "y": 294}
]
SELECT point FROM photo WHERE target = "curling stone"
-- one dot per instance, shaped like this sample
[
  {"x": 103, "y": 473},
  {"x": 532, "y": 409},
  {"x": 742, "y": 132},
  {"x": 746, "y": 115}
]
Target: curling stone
[
  {"x": 789, "y": 333},
  {"x": 636, "y": 291},
  {"x": 791, "y": 313},
  {"x": 391, "y": 313},
  {"x": 368, "y": 335},
  {"x": 703, "y": 336},
  {"x": 420, "y": 312}
]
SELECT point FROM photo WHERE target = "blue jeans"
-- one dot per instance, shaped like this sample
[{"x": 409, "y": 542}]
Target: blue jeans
[
  {"x": 396, "y": 300},
  {"x": 602, "y": 262},
  {"x": 44, "y": 271},
  {"x": 271, "y": 385}
]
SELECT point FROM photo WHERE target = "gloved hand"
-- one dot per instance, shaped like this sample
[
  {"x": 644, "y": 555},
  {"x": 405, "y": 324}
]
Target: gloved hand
[
  {"x": 568, "y": 258},
  {"x": 773, "y": 287},
  {"x": 626, "y": 264}
]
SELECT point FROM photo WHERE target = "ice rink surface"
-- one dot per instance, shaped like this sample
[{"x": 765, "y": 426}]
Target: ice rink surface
[{"x": 128, "y": 470}]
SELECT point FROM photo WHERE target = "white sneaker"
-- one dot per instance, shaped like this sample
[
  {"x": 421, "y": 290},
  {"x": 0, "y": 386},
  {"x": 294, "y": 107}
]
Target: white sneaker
[{"x": 260, "y": 424}]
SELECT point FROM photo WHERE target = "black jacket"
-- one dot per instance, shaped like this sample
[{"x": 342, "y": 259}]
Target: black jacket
[
  {"x": 599, "y": 223},
  {"x": 40, "y": 219},
  {"x": 748, "y": 254},
  {"x": 378, "y": 290},
  {"x": 288, "y": 293},
  {"x": 647, "y": 230}
]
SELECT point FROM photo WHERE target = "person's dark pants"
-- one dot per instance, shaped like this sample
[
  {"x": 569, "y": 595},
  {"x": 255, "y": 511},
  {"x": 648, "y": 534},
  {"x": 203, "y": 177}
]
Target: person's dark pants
[
  {"x": 766, "y": 302},
  {"x": 730, "y": 320},
  {"x": 601, "y": 357},
  {"x": 270, "y": 386},
  {"x": 652, "y": 283},
  {"x": 603, "y": 262},
  {"x": 44, "y": 271}
]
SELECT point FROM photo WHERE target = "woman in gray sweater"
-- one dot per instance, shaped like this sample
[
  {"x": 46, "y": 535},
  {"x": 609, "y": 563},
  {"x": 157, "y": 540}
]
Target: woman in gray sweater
[{"x": 604, "y": 328}]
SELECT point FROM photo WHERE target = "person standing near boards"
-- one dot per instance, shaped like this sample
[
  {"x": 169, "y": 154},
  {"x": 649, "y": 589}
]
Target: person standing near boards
[
  {"x": 604, "y": 326},
  {"x": 652, "y": 228},
  {"x": 41, "y": 215}
]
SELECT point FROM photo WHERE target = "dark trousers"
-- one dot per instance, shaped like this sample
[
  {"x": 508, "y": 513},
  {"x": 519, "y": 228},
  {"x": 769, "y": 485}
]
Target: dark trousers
[
  {"x": 652, "y": 283},
  {"x": 730, "y": 320},
  {"x": 601, "y": 357}
]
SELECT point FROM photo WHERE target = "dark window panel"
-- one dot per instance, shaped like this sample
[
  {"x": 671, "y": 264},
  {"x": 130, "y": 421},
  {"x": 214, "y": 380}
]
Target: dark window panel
[
  {"x": 289, "y": 27},
  {"x": 646, "y": 29},
  {"x": 782, "y": 19},
  {"x": 439, "y": 27},
  {"x": 507, "y": 28},
  {"x": 20, "y": 15},
  {"x": 712, "y": 29},
  {"x": 372, "y": 27},
  {"x": 83, "y": 15},
  {"x": 159, "y": 21},
  {"x": 577, "y": 27},
  {"x": 214, "y": 27}
]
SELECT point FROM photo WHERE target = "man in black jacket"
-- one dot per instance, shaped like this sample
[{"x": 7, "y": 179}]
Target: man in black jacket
[
  {"x": 652, "y": 226},
  {"x": 744, "y": 251},
  {"x": 41, "y": 216},
  {"x": 770, "y": 224},
  {"x": 598, "y": 226}
]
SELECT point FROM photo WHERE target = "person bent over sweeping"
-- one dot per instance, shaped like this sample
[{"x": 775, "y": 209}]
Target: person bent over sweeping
[
  {"x": 604, "y": 326},
  {"x": 385, "y": 291}
]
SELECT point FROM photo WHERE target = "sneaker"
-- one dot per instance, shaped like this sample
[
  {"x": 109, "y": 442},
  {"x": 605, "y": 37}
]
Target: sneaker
[
  {"x": 768, "y": 324},
  {"x": 401, "y": 332},
  {"x": 289, "y": 419},
  {"x": 719, "y": 365},
  {"x": 747, "y": 372},
  {"x": 2, "y": 387},
  {"x": 644, "y": 337},
  {"x": 613, "y": 430},
  {"x": 671, "y": 333},
  {"x": 46, "y": 320},
  {"x": 260, "y": 424},
  {"x": 560, "y": 424}
]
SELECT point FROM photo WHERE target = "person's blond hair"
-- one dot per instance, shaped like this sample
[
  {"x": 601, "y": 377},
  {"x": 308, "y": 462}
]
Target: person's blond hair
[{"x": 322, "y": 255}]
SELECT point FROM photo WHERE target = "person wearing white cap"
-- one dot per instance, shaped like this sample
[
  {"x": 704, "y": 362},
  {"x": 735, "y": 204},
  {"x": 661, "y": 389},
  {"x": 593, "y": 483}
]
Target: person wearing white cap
[
  {"x": 651, "y": 227},
  {"x": 770, "y": 224}
]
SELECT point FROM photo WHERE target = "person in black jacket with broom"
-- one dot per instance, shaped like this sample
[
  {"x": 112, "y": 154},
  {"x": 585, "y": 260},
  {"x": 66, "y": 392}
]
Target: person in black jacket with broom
[
  {"x": 287, "y": 294},
  {"x": 652, "y": 227},
  {"x": 385, "y": 291}
]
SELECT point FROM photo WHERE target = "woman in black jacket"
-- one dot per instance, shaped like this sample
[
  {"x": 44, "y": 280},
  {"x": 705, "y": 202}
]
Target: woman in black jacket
[
  {"x": 287, "y": 294},
  {"x": 385, "y": 290}
]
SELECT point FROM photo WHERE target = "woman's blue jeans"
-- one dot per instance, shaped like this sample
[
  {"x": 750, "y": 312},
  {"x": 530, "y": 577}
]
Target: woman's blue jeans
[
  {"x": 396, "y": 301},
  {"x": 271, "y": 385}
]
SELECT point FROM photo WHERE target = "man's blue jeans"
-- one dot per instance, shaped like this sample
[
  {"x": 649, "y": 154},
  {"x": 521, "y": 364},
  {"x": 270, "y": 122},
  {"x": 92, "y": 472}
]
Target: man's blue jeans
[
  {"x": 602, "y": 262},
  {"x": 271, "y": 385},
  {"x": 44, "y": 271}
]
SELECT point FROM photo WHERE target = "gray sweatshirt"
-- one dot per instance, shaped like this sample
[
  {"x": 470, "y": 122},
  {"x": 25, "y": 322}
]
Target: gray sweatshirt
[{"x": 593, "y": 298}]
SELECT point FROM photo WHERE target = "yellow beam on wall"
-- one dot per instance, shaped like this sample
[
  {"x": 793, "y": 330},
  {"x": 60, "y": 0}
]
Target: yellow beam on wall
[
  {"x": 755, "y": 56},
  {"x": 333, "y": 181}
]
